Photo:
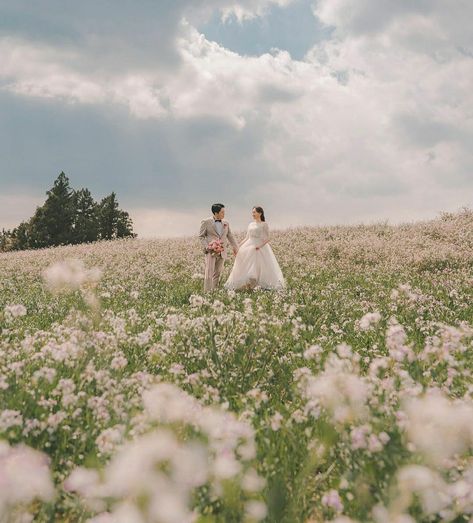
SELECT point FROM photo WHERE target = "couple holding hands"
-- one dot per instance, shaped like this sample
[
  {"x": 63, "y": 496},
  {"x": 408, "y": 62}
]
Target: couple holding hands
[{"x": 255, "y": 265}]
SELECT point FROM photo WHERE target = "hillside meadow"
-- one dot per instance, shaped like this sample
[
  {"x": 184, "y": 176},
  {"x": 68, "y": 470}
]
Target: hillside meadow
[{"x": 127, "y": 395}]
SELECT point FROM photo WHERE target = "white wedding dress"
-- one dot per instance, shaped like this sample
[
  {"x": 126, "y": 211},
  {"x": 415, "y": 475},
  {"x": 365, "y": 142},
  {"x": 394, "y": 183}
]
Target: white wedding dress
[{"x": 255, "y": 268}]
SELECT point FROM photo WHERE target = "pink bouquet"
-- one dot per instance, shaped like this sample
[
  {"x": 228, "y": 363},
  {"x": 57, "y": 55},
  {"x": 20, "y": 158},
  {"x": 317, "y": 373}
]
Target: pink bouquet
[{"x": 215, "y": 247}]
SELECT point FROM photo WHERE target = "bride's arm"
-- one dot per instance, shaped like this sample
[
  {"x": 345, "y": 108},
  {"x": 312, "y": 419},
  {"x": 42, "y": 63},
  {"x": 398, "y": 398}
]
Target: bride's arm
[{"x": 265, "y": 236}]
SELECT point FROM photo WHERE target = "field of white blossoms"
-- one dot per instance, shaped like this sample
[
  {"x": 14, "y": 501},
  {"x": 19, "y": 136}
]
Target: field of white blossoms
[{"x": 129, "y": 396}]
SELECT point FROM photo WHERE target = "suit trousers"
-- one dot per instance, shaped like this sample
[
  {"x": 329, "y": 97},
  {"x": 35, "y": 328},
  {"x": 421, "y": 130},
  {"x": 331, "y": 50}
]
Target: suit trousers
[{"x": 213, "y": 271}]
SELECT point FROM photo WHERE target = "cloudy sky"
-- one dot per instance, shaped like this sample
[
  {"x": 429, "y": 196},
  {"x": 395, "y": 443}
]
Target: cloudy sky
[{"x": 322, "y": 111}]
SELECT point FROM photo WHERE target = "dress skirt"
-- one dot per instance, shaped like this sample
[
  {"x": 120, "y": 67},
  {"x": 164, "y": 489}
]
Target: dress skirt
[{"x": 255, "y": 268}]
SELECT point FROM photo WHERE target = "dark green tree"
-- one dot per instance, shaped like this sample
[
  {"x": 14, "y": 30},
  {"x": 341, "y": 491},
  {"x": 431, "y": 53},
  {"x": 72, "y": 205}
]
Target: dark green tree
[
  {"x": 53, "y": 221},
  {"x": 21, "y": 237},
  {"x": 108, "y": 216},
  {"x": 5, "y": 240},
  {"x": 38, "y": 234},
  {"x": 125, "y": 225},
  {"x": 114, "y": 223},
  {"x": 86, "y": 217},
  {"x": 69, "y": 216}
]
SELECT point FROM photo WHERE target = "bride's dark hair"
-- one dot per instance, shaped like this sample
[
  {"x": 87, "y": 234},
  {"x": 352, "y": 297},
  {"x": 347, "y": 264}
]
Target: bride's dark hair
[{"x": 260, "y": 210}]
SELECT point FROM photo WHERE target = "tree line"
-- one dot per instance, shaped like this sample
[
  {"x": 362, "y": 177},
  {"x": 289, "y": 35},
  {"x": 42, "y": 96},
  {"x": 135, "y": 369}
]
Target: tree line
[{"x": 67, "y": 217}]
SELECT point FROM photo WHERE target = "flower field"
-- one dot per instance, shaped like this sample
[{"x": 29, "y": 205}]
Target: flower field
[{"x": 128, "y": 396}]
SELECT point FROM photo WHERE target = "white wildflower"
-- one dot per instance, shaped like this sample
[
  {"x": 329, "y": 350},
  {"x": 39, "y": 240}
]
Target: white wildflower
[
  {"x": 396, "y": 339},
  {"x": 332, "y": 500},
  {"x": 255, "y": 510},
  {"x": 439, "y": 427},
  {"x": 313, "y": 352},
  {"x": 24, "y": 476},
  {"x": 369, "y": 320},
  {"x": 195, "y": 300},
  {"x": 344, "y": 350},
  {"x": 167, "y": 403},
  {"x": 276, "y": 420},
  {"x": 226, "y": 466},
  {"x": 109, "y": 438},
  {"x": 82, "y": 480},
  {"x": 10, "y": 418},
  {"x": 427, "y": 484},
  {"x": 15, "y": 311},
  {"x": 381, "y": 515},
  {"x": 118, "y": 362},
  {"x": 70, "y": 274},
  {"x": 344, "y": 394},
  {"x": 252, "y": 482}
]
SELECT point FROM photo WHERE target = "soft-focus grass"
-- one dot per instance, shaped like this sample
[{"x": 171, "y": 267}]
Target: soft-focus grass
[{"x": 334, "y": 274}]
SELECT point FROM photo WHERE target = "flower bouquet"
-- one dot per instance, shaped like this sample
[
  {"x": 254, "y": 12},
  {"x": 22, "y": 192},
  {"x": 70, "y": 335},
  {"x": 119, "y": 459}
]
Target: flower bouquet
[{"x": 215, "y": 247}]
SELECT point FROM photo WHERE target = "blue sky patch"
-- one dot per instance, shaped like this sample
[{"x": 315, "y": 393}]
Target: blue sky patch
[{"x": 293, "y": 28}]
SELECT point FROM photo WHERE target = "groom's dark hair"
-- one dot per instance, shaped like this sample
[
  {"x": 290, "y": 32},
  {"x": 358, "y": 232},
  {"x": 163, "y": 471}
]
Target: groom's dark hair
[{"x": 217, "y": 207}]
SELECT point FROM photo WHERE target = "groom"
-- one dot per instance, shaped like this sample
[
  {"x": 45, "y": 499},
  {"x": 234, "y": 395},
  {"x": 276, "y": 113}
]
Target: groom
[{"x": 213, "y": 229}]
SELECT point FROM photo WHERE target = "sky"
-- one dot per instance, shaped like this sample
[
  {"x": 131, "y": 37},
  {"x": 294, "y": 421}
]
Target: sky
[{"x": 321, "y": 111}]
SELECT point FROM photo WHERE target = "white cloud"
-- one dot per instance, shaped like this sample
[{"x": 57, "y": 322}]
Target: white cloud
[
  {"x": 368, "y": 17},
  {"x": 375, "y": 123},
  {"x": 39, "y": 70},
  {"x": 249, "y": 8}
]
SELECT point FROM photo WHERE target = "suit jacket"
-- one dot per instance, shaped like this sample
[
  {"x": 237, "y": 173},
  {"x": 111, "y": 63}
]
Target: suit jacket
[{"x": 208, "y": 233}]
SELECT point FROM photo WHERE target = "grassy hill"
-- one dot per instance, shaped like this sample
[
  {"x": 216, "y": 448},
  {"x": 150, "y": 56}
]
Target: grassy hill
[{"x": 349, "y": 393}]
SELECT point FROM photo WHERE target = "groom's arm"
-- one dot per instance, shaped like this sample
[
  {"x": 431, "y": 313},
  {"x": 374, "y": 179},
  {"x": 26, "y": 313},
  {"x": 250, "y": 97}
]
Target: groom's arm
[
  {"x": 203, "y": 235},
  {"x": 232, "y": 240}
]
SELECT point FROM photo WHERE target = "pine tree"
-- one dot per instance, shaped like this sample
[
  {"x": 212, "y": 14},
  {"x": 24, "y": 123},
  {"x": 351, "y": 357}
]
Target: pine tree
[
  {"x": 5, "y": 240},
  {"x": 21, "y": 237},
  {"x": 53, "y": 221},
  {"x": 69, "y": 216},
  {"x": 114, "y": 223},
  {"x": 86, "y": 217},
  {"x": 108, "y": 216},
  {"x": 39, "y": 235},
  {"x": 125, "y": 225}
]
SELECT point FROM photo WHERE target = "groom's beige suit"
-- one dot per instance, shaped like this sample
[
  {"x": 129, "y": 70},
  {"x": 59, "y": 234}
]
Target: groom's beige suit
[{"x": 214, "y": 264}]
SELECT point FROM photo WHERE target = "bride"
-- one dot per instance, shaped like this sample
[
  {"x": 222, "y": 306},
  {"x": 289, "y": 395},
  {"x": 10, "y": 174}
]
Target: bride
[{"x": 255, "y": 264}]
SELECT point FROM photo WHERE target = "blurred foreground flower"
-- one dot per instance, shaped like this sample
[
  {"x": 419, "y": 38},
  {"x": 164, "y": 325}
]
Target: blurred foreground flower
[
  {"x": 14, "y": 311},
  {"x": 439, "y": 427},
  {"x": 70, "y": 274},
  {"x": 24, "y": 477},
  {"x": 153, "y": 478},
  {"x": 339, "y": 389},
  {"x": 369, "y": 320}
]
